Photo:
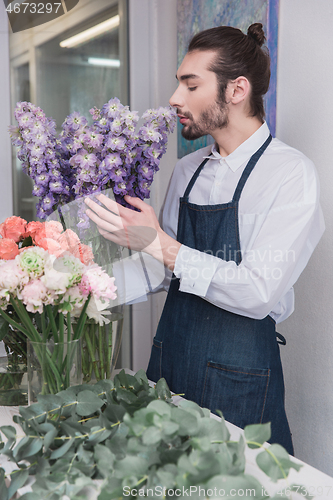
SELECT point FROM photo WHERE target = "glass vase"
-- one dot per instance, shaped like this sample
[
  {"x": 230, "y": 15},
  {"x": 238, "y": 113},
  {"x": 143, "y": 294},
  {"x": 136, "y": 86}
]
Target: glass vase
[
  {"x": 13, "y": 370},
  {"x": 100, "y": 347},
  {"x": 53, "y": 367}
]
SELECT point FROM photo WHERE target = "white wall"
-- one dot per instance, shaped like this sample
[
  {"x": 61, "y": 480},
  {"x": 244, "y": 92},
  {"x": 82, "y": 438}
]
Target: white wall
[
  {"x": 304, "y": 120},
  {"x": 6, "y": 199}
]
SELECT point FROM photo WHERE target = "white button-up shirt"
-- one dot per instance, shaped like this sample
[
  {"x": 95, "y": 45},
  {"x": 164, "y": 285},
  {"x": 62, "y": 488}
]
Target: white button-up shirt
[{"x": 280, "y": 223}]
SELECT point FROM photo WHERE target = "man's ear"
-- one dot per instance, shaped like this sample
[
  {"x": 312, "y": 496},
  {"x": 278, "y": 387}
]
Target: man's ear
[{"x": 239, "y": 89}]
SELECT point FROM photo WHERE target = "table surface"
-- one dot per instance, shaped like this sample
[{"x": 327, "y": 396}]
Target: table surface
[{"x": 320, "y": 485}]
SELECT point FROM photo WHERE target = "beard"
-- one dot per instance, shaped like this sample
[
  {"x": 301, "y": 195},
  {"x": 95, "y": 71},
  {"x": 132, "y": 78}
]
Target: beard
[{"x": 216, "y": 116}]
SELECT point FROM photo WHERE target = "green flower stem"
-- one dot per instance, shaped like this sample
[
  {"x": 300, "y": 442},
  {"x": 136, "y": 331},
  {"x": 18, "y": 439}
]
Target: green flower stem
[
  {"x": 52, "y": 323},
  {"x": 59, "y": 348},
  {"x": 91, "y": 351},
  {"x": 22, "y": 313},
  {"x": 13, "y": 323},
  {"x": 44, "y": 331},
  {"x": 100, "y": 348},
  {"x": 50, "y": 371},
  {"x": 82, "y": 320},
  {"x": 69, "y": 326},
  {"x": 108, "y": 350}
]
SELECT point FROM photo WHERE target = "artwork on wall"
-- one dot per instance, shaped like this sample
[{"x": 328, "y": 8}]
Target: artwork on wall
[{"x": 198, "y": 15}]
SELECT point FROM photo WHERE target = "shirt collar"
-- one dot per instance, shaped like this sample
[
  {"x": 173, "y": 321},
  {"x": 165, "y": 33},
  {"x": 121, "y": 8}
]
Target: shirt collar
[{"x": 244, "y": 152}]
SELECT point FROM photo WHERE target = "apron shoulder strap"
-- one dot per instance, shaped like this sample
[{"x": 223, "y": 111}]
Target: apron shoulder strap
[
  {"x": 248, "y": 169},
  {"x": 194, "y": 178}
]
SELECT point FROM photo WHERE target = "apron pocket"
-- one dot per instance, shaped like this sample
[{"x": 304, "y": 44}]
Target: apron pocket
[
  {"x": 154, "y": 370},
  {"x": 240, "y": 393}
]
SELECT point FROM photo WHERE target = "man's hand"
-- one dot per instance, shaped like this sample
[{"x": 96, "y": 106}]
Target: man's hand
[{"x": 132, "y": 229}]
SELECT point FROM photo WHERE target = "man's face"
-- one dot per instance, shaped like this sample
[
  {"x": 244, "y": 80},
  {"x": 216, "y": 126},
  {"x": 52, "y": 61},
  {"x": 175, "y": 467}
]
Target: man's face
[{"x": 196, "y": 98}]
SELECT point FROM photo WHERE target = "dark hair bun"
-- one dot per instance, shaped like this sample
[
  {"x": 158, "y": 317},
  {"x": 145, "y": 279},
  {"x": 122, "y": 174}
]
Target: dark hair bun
[{"x": 256, "y": 32}]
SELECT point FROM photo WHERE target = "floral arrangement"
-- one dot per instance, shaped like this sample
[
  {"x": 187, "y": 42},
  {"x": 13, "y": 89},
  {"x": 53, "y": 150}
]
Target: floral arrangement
[
  {"x": 86, "y": 159},
  {"x": 47, "y": 278}
]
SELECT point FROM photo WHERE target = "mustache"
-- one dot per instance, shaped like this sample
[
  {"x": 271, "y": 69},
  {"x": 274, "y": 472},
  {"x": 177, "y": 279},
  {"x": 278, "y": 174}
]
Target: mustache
[{"x": 185, "y": 114}]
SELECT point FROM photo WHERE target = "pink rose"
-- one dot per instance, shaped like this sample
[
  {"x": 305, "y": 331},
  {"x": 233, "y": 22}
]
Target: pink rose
[
  {"x": 84, "y": 253},
  {"x": 50, "y": 230},
  {"x": 69, "y": 241},
  {"x": 51, "y": 246},
  {"x": 8, "y": 249},
  {"x": 13, "y": 228},
  {"x": 32, "y": 228}
]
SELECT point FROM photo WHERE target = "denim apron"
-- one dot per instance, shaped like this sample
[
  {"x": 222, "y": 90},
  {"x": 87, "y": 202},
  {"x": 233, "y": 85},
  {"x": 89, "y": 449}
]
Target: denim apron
[{"x": 219, "y": 359}]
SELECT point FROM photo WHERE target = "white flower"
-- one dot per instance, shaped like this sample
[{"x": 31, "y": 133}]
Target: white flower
[
  {"x": 72, "y": 301},
  {"x": 32, "y": 261},
  {"x": 34, "y": 295},
  {"x": 97, "y": 309},
  {"x": 11, "y": 277}
]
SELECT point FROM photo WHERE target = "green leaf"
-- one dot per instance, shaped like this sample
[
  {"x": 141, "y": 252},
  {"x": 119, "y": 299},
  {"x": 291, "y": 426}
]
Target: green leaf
[
  {"x": 115, "y": 413},
  {"x": 120, "y": 380},
  {"x": 88, "y": 403},
  {"x": 29, "y": 496},
  {"x": 160, "y": 407},
  {"x": 4, "y": 328},
  {"x": 188, "y": 423},
  {"x": 18, "y": 479},
  {"x": 9, "y": 431},
  {"x": 59, "y": 452},
  {"x": 131, "y": 466},
  {"x": 275, "y": 462},
  {"x": 49, "y": 437},
  {"x": 141, "y": 377},
  {"x": 257, "y": 433},
  {"x": 49, "y": 402},
  {"x": 126, "y": 395},
  {"x": 229, "y": 485},
  {"x": 3, "y": 487},
  {"x": 162, "y": 389},
  {"x": 151, "y": 436}
]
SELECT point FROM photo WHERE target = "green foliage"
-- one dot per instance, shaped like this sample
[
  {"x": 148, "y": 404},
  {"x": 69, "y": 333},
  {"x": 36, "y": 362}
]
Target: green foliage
[{"x": 123, "y": 437}]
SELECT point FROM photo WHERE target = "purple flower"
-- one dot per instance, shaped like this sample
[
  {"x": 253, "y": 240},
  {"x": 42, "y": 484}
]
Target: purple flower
[
  {"x": 26, "y": 120},
  {"x": 75, "y": 121},
  {"x": 84, "y": 159},
  {"x": 142, "y": 191},
  {"x": 95, "y": 113},
  {"x": 38, "y": 190},
  {"x": 116, "y": 143},
  {"x": 112, "y": 108},
  {"x": 149, "y": 133},
  {"x": 112, "y": 160},
  {"x": 94, "y": 139},
  {"x": 117, "y": 174},
  {"x": 56, "y": 187},
  {"x": 145, "y": 171},
  {"x": 42, "y": 179},
  {"x": 120, "y": 188}
]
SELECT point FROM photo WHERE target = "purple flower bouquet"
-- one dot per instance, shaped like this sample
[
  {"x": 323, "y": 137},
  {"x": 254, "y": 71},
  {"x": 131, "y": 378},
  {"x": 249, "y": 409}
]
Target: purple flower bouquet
[{"x": 86, "y": 159}]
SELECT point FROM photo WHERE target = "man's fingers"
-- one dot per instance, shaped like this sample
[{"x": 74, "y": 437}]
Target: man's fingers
[
  {"x": 101, "y": 222},
  {"x": 135, "y": 202},
  {"x": 134, "y": 237},
  {"x": 112, "y": 205}
]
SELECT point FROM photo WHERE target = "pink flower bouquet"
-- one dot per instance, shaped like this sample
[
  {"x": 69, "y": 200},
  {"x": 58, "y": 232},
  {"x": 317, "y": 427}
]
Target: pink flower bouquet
[{"x": 47, "y": 278}]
